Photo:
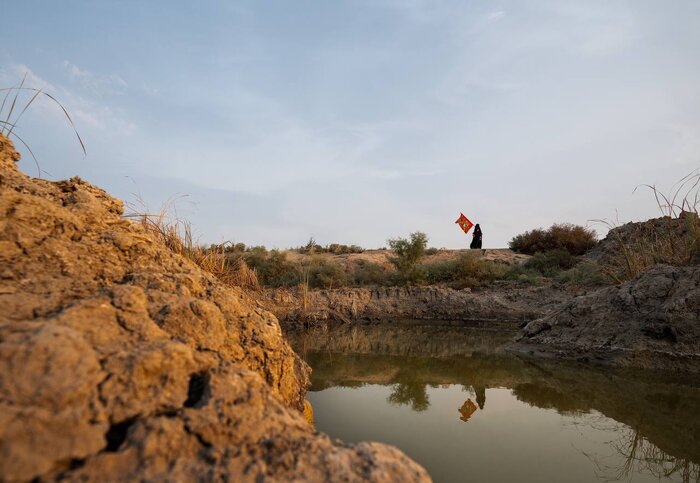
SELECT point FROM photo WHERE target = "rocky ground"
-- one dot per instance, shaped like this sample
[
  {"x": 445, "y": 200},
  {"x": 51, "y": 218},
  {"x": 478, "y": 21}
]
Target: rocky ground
[
  {"x": 122, "y": 361},
  {"x": 508, "y": 302},
  {"x": 652, "y": 322}
]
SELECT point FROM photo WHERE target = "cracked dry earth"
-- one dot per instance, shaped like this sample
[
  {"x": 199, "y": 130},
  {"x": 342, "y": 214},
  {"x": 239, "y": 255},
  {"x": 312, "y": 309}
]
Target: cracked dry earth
[{"x": 121, "y": 361}]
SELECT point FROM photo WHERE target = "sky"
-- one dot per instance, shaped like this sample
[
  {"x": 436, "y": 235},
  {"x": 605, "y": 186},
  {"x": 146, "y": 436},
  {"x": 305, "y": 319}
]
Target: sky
[{"x": 270, "y": 122}]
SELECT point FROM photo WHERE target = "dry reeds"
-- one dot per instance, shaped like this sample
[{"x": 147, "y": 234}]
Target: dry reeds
[
  {"x": 673, "y": 239},
  {"x": 177, "y": 235},
  {"x": 15, "y": 96}
]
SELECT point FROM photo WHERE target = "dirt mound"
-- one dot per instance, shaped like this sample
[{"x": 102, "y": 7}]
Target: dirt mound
[
  {"x": 652, "y": 321},
  {"x": 629, "y": 249},
  {"x": 120, "y": 360}
]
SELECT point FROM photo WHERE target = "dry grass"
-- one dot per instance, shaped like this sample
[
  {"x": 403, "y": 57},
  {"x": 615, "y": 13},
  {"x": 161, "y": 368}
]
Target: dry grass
[
  {"x": 177, "y": 235},
  {"x": 673, "y": 240},
  {"x": 11, "y": 111}
]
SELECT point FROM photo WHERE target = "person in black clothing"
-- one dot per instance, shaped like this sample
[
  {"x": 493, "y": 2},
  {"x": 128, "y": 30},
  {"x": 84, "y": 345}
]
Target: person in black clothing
[{"x": 476, "y": 237}]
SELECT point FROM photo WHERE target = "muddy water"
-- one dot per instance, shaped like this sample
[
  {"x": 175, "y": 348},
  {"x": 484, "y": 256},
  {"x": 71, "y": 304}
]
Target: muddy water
[{"x": 456, "y": 402}]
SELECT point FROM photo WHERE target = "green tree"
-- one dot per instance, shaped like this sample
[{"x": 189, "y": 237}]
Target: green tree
[{"x": 408, "y": 251}]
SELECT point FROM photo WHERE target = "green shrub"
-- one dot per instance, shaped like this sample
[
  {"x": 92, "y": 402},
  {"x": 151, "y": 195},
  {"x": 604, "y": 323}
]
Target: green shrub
[
  {"x": 338, "y": 249},
  {"x": 431, "y": 251},
  {"x": 415, "y": 275},
  {"x": 273, "y": 268},
  {"x": 585, "y": 275},
  {"x": 522, "y": 274},
  {"x": 408, "y": 252},
  {"x": 468, "y": 270},
  {"x": 575, "y": 239},
  {"x": 326, "y": 274},
  {"x": 551, "y": 263},
  {"x": 368, "y": 273}
]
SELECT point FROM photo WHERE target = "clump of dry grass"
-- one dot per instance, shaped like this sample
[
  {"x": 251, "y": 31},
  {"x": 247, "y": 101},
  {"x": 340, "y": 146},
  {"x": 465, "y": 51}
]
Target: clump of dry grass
[
  {"x": 673, "y": 239},
  {"x": 177, "y": 235}
]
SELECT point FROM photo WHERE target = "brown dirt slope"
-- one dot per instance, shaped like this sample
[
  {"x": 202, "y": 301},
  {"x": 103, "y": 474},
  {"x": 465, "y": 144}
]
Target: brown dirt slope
[
  {"x": 506, "y": 303},
  {"x": 121, "y": 361},
  {"x": 651, "y": 322}
]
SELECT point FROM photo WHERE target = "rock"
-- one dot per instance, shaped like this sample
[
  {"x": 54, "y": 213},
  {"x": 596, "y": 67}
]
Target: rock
[
  {"x": 652, "y": 321},
  {"x": 122, "y": 361}
]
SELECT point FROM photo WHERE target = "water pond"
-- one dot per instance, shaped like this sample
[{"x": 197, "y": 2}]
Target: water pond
[{"x": 453, "y": 400}]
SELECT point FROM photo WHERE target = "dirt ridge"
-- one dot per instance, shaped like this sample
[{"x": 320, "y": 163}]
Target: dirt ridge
[{"x": 120, "y": 360}]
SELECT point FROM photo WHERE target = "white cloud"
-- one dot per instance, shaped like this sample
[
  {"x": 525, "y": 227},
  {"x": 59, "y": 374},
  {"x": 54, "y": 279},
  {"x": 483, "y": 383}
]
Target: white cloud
[{"x": 496, "y": 15}]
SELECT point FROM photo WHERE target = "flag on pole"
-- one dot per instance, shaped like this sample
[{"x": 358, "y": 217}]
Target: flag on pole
[{"x": 464, "y": 223}]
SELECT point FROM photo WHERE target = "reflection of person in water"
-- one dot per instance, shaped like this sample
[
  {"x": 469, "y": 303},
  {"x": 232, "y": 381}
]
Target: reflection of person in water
[
  {"x": 467, "y": 409},
  {"x": 480, "y": 395},
  {"x": 476, "y": 237}
]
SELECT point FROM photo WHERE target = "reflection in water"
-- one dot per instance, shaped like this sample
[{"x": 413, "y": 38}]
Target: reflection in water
[
  {"x": 639, "y": 455},
  {"x": 411, "y": 393},
  {"x": 628, "y": 425},
  {"x": 467, "y": 409}
]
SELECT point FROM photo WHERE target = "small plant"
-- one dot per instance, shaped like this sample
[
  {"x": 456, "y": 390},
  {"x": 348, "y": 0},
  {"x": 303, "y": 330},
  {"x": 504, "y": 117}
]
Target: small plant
[{"x": 408, "y": 251}]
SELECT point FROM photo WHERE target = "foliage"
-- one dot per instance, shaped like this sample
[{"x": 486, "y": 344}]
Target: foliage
[
  {"x": 575, "y": 239},
  {"x": 551, "y": 263},
  {"x": 408, "y": 252},
  {"x": 326, "y": 274},
  {"x": 273, "y": 268},
  {"x": 468, "y": 270},
  {"x": 584, "y": 275},
  {"x": 368, "y": 273}
]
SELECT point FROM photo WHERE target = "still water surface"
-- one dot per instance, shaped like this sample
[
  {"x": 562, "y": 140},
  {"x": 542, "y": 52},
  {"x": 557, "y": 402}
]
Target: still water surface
[{"x": 455, "y": 402}]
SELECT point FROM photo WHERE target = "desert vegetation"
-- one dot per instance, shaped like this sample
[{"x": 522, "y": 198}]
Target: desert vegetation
[
  {"x": 564, "y": 253},
  {"x": 574, "y": 239},
  {"x": 672, "y": 239}
]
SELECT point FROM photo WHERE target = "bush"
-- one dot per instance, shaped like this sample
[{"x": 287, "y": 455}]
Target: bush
[
  {"x": 326, "y": 274},
  {"x": 522, "y": 274},
  {"x": 575, "y": 239},
  {"x": 584, "y": 275},
  {"x": 408, "y": 251},
  {"x": 273, "y": 269},
  {"x": 468, "y": 270},
  {"x": 368, "y": 273},
  {"x": 551, "y": 263},
  {"x": 338, "y": 249}
]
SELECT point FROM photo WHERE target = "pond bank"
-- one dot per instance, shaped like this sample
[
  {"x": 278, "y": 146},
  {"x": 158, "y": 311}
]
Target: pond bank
[{"x": 506, "y": 302}]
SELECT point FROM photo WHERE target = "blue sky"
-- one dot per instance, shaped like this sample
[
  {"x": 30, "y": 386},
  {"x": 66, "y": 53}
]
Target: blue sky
[{"x": 269, "y": 122}]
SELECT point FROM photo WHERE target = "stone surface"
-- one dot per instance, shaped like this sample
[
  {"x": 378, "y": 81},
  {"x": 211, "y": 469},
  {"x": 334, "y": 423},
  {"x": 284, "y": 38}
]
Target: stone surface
[
  {"x": 652, "y": 321},
  {"x": 121, "y": 361}
]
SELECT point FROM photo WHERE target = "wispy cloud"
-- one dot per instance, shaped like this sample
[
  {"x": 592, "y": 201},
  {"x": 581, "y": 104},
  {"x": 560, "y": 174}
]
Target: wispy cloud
[
  {"x": 496, "y": 15},
  {"x": 86, "y": 108},
  {"x": 99, "y": 85}
]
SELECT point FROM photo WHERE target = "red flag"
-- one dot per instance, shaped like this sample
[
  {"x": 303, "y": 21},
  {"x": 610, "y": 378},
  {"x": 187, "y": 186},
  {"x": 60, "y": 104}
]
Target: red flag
[{"x": 464, "y": 223}]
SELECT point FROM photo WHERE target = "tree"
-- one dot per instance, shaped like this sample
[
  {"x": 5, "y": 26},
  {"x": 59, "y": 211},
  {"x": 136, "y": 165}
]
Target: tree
[{"x": 408, "y": 251}]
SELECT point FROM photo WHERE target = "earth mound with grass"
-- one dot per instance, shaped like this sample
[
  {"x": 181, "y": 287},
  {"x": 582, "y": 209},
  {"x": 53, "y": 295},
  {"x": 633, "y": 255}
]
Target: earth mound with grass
[
  {"x": 630, "y": 249},
  {"x": 122, "y": 361},
  {"x": 652, "y": 321}
]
